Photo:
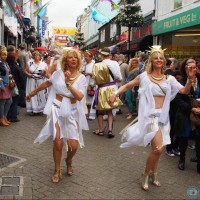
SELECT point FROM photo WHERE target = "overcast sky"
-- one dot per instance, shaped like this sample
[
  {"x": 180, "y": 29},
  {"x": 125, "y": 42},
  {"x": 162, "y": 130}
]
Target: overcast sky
[{"x": 65, "y": 12}]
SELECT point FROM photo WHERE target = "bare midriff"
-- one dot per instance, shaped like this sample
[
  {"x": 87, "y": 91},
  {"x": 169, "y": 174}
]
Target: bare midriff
[{"x": 159, "y": 100}]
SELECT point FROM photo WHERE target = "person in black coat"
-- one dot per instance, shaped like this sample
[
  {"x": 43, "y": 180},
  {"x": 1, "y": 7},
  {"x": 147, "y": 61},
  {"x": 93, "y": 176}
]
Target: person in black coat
[
  {"x": 16, "y": 72},
  {"x": 182, "y": 125},
  {"x": 2, "y": 73}
]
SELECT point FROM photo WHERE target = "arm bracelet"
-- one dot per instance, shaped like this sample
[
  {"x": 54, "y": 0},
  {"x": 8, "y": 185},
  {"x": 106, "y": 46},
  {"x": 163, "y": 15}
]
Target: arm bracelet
[
  {"x": 190, "y": 80},
  {"x": 69, "y": 86}
]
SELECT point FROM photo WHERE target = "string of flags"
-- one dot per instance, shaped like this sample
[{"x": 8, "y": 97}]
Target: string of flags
[
  {"x": 114, "y": 6},
  {"x": 97, "y": 16}
]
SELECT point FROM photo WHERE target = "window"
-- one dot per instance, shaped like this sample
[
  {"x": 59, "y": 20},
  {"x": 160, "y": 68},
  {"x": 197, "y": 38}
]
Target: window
[
  {"x": 177, "y": 4},
  {"x": 102, "y": 35},
  {"x": 113, "y": 29}
]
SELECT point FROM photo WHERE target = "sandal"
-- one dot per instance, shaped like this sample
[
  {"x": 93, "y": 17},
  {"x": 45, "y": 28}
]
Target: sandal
[
  {"x": 98, "y": 132},
  {"x": 111, "y": 134},
  {"x": 57, "y": 176},
  {"x": 69, "y": 167}
]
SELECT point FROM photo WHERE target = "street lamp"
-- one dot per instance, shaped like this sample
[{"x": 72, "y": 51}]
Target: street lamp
[{"x": 129, "y": 16}]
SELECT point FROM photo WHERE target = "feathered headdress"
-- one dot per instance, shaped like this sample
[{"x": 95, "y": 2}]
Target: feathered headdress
[{"x": 156, "y": 48}]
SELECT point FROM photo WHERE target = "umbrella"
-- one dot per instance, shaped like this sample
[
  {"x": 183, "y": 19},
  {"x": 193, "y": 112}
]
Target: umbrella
[{"x": 41, "y": 48}]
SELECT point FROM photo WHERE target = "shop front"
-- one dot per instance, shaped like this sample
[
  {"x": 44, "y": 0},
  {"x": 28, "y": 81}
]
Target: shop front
[
  {"x": 180, "y": 34},
  {"x": 141, "y": 40}
]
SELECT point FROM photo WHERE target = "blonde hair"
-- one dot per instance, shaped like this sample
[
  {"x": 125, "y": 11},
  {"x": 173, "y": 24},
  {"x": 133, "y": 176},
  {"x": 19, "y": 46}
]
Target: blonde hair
[
  {"x": 3, "y": 49},
  {"x": 67, "y": 54},
  {"x": 130, "y": 64},
  {"x": 148, "y": 65},
  {"x": 36, "y": 53}
]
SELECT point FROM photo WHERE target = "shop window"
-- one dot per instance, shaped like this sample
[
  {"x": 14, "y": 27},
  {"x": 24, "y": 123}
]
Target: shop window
[
  {"x": 102, "y": 38},
  {"x": 177, "y": 4},
  {"x": 113, "y": 30}
]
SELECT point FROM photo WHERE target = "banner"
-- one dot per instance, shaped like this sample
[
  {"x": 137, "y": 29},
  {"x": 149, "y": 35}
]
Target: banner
[{"x": 63, "y": 31}]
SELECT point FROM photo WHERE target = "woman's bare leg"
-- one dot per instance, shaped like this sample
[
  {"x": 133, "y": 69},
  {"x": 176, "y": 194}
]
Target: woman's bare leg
[
  {"x": 157, "y": 149},
  {"x": 72, "y": 148},
  {"x": 152, "y": 161},
  {"x": 57, "y": 148}
]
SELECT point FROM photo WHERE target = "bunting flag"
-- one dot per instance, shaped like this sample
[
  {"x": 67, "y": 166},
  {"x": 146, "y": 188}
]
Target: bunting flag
[
  {"x": 43, "y": 12},
  {"x": 40, "y": 8},
  {"x": 98, "y": 17},
  {"x": 114, "y": 6}
]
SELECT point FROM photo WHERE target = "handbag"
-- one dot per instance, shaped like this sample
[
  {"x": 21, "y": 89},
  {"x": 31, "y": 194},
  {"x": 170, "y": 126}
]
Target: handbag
[
  {"x": 90, "y": 90},
  {"x": 11, "y": 83},
  {"x": 194, "y": 118}
]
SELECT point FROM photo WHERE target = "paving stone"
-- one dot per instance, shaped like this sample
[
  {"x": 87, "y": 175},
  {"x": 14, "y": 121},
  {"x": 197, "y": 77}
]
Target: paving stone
[{"x": 101, "y": 170}]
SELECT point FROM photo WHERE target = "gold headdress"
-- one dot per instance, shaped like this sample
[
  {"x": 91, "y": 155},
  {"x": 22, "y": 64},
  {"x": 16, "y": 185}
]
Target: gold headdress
[{"x": 156, "y": 48}]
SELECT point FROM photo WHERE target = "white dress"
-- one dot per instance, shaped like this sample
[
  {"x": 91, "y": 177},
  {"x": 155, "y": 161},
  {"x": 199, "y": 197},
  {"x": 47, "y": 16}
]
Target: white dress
[
  {"x": 37, "y": 103},
  {"x": 70, "y": 117},
  {"x": 149, "y": 118},
  {"x": 90, "y": 81}
]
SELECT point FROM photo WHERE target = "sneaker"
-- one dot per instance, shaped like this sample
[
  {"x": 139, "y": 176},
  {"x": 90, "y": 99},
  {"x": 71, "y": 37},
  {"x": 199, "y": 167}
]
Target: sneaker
[
  {"x": 191, "y": 146},
  {"x": 170, "y": 153},
  {"x": 119, "y": 112},
  {"x": 176, "y": 152}
]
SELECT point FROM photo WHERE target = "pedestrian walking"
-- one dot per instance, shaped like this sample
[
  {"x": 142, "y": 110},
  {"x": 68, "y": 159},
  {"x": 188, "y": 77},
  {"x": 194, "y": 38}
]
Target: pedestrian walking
[
  {"x": 65, "y": 110},
  {"x": 155, "y": 93}
]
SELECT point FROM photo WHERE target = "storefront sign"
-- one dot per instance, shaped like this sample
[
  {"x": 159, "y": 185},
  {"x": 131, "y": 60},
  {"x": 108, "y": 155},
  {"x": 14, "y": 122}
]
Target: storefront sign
[
  {"x": 43, "y": 27},
  {"x": 183, "y": 20},
  {"x": 63, "y": 31},
  {"x": 142, "y": 32}
]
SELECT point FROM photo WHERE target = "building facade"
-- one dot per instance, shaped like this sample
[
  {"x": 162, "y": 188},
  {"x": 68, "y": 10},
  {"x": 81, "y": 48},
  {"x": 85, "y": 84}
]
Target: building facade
[{"x": 177, "y": 27}]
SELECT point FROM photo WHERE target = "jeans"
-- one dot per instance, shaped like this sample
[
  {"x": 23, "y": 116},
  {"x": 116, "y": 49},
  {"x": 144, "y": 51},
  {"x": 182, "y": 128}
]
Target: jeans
[
  {"x": 12, "y": 113},
  {"x": 5, "y": 106},
  {"x": 129, "y": 100}
]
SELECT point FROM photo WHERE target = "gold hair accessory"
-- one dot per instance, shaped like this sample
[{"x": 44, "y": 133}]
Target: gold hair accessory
[{"x": 156, "y": 48}]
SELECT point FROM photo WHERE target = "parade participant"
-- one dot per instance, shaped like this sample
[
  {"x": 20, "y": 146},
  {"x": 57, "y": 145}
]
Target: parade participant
[
  {"x": 65, "y": 111},
  {"x": 35, "y": 72},
  {"x": 155, "y": 93},
  {"x": 106, "y": 75}
]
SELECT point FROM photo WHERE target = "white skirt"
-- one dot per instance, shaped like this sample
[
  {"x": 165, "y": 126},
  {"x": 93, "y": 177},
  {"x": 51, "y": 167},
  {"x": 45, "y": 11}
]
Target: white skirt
[
  {"x": 68, "y": 126},
  {"x": 134, "y": 136}
]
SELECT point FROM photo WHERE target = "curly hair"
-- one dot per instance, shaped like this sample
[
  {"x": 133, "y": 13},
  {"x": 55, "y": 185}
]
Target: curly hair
[
  {"x": 36, "y": 53},
  {"x": 3, "y": 49},
  {"x": 148, "y": 65},
  {"x": 67, "y": 54}
]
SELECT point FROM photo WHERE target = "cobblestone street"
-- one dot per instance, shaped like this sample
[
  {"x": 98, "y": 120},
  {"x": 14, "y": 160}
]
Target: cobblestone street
[{"x": 101, "y": 169}]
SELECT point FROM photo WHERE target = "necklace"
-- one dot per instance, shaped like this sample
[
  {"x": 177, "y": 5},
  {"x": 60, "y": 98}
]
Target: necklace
[
  {"x": 157, "y": 79},
  {"x": 73, "y": 78}
]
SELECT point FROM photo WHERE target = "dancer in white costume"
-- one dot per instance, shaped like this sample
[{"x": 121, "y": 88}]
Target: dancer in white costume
[
  {"x": 155, "y": 93},
  {"x": 65, "y": 111}
]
